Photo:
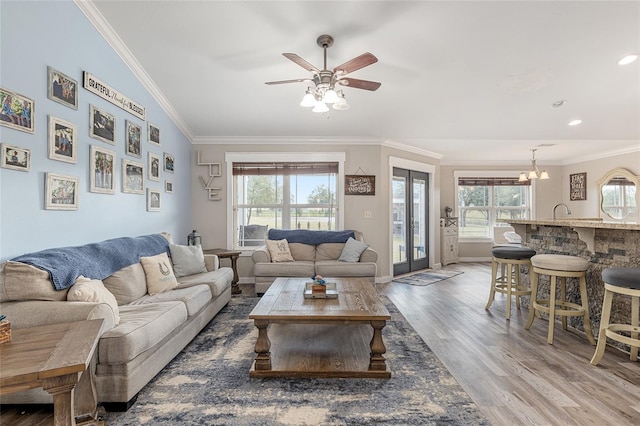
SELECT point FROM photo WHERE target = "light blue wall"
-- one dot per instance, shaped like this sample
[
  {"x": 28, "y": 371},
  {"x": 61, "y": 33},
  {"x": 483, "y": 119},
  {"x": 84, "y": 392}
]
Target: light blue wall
[{"x": 34, "y": 35}]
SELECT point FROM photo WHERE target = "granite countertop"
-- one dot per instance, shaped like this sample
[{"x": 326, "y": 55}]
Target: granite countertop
[{"x": 575, "y": 223}]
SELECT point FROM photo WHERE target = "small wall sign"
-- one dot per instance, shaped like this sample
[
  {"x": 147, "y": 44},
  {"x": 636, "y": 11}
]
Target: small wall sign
[
  {"x": 108, "y": 93},
  {"x": 359, "y": 185},
  {"x": 578, "y": 186}
]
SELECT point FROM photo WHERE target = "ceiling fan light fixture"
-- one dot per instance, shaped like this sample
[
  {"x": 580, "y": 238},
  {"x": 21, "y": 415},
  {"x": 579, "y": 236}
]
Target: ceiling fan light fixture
[
  {"x": 330, "y": 97},
  {"x": 320, "y": 107},
  {"x": 308, "y": 100}
]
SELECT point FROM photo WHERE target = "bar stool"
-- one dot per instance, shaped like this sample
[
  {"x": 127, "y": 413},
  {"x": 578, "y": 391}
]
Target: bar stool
[
  {"x": 509, "y": 258},
  {"x": 620, "y": 281},
  {"x": 559, "y": 266}
]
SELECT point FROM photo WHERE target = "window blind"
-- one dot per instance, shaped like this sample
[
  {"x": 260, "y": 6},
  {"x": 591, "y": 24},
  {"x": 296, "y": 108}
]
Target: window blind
[
  {"x": 491, "y": 181},
  {"x": 288, "y": 168}
]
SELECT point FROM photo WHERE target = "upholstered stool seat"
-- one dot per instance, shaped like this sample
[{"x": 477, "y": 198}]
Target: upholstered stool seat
[
  {"x": 509, "y": 258},
  {"x": 563, "y": 267},
  {"x": 619, "y": 281}
]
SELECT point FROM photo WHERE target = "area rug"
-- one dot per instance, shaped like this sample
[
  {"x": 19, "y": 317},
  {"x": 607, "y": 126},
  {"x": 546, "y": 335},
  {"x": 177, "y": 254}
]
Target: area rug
[
  {"x": 426, "y": 278},
  {"x": 208, "y": 384}
]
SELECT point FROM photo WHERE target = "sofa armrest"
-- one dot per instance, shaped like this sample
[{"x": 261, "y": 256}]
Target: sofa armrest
[
  {"x": 261, "y": 255},
  {"x": 212, "y": 262},
  {"x": 369, "y": 255},
  {"x": 34, "y": 313}
]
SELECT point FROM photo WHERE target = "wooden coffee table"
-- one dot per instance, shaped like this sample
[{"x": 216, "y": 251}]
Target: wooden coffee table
[
  {"x": 339, "y": 337},
  {"x": 54, "y": 357}
]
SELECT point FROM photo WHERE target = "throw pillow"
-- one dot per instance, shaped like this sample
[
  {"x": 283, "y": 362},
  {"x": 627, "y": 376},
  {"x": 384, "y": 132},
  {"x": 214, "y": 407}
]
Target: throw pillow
[
  {"x": 352, "y": 250},
  {"x": 187, "y": 260},
  {"x": 88, "y": 290},
  {"x": 279, "y": 250},
  {"x": 159, "y": 273}
]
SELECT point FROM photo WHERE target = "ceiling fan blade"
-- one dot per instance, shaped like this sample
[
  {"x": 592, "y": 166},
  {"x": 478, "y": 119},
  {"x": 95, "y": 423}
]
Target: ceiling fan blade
[
  {"x": 298, "y": 60},
  {"x": 360, "y": 84},
  {"x": 356, "y": 63},
  {"x": 298, "y": 80}
]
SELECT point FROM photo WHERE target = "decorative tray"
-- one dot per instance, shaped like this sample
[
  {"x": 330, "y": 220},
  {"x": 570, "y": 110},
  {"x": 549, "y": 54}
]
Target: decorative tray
[{"x": 331, "y": 291}]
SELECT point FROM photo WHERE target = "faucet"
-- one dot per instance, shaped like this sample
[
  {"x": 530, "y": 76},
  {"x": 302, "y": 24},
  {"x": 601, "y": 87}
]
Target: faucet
[{"x": 553, "y": 215}]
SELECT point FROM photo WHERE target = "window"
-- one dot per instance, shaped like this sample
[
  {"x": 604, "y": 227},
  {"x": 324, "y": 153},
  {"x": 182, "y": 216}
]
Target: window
[
  {"x": 482, "y": 200},
  {"x": 285, "y": 195}
]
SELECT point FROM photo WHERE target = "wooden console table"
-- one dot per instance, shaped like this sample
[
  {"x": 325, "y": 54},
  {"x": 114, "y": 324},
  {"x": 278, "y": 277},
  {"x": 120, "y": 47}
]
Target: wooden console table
[
  {"x": 233, "y": 255},
  {"x": 54, "y": 357}
]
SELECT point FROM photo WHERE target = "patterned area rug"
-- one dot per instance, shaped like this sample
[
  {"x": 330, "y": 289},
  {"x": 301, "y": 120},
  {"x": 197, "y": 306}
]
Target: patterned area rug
[
  {"x": 426, "y": 278},
  {"x": 208, "y": 383}
]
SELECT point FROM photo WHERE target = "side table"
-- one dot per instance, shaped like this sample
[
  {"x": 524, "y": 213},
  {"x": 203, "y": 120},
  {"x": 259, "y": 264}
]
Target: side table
[
  {"x": 233, "y": 255},
  {"x": 54, "y": 357}
]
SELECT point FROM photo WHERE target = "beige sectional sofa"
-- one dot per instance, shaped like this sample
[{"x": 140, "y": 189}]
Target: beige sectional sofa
[
  {"x": 152, "y": 329},
  {"x": 319, "y": 254}
]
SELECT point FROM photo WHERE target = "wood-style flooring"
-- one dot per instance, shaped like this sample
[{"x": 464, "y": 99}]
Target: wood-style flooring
[{"x": 512, "y": 374}]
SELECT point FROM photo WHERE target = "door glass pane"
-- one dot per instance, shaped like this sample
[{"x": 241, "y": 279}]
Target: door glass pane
[
  {"x": 399, "y": 214},
  {"x": 419, "y": 219}
]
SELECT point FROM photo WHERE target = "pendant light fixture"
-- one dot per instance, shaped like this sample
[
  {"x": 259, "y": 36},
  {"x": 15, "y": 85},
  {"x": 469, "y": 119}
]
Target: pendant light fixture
[{"x": 534, "y": 173}]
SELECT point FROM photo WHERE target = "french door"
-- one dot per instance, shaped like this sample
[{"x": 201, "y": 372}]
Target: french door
[{"x": 410, "y": 221}]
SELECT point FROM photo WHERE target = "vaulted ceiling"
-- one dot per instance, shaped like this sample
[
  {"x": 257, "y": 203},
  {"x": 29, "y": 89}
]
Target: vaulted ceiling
[{"x": 471, "y": 81}]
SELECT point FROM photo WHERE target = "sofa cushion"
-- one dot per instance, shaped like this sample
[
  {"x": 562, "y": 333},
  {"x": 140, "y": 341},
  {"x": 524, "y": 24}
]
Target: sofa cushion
[
  {"x": 279, "y": 250},
  {"x": 352, "y": 250},
  {"x": 141, "y": 327},
  {"x": 299, "y": 268},
  {"x": 13, "y": 277},
  {"x": 218, "y": 281},
  {"x": 301, "y": 251},
  {"x": 128, "y": 284},
  {"x": 159, "y": 273},
  {"x": 187, "y": 260},
  {"x": 88, "y": 290},
  {"x": 329, "y": 251},
  {"x": 337, "y": 268},
  {"x": 195, "y": 298}
]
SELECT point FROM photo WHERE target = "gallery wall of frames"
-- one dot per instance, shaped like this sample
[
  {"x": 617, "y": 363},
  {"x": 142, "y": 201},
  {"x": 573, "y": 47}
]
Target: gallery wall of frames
[{"x": 86, "y": 153}]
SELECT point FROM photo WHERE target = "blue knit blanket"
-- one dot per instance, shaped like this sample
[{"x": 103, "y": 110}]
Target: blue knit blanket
[
  {"x": 96, "y": 260},
  {"x": 306, "y": 236}
]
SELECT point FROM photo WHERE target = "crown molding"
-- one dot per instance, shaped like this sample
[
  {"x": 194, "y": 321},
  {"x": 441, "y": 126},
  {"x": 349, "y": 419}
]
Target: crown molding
[
  {"x": 108, "y": 33},
  {"x": 606, "y": 154}
]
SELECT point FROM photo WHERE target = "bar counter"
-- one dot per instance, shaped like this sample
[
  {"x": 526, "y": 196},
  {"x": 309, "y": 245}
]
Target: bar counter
[{"x": 603, "y": 244}]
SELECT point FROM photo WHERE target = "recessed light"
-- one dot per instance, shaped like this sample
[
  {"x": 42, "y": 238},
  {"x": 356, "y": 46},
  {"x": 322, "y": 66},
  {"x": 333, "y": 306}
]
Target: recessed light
[
  {"x": 574, "y": 122},
  {"x": 558, "y": 104},
  {"x": 627, "y": 59}
]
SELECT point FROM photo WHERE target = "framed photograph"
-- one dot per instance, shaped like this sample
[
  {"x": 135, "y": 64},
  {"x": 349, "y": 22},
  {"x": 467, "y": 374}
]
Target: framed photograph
[
  {"x": 154, "y": 167},
  {"x": 17, "y": 111},
  {"x": 168, "y": 187},
  {"x": 61, "y": 192},
  {"x": 132, "y": 139},
  {"x": 153, "y": 134},
  {"x": 169, "y": 160},
  {"x": 153, "y": 200},
  {"x": 62, "y": 140},
  {"x": 102, "y": 167},
  {"x": 132, "y": 177},
  {"x": 102, "y": 125},
  {"x": 359, "y": 185},
  {"x": 578, "y": 186},
  {"x": 15, "y": 158},
  {"x": 62, "y": 89}
]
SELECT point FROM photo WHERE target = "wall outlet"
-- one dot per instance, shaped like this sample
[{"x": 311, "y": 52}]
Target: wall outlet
[{"x": 368, "y": 214}]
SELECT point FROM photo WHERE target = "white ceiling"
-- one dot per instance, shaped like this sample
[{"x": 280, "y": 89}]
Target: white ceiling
[{"x": 472, "y": 81}]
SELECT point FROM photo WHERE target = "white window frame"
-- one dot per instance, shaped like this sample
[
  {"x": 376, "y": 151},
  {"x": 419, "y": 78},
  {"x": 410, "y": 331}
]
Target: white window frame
[
  {"x": 485, "y": 173},
  {"x": 266, "y": 157}
]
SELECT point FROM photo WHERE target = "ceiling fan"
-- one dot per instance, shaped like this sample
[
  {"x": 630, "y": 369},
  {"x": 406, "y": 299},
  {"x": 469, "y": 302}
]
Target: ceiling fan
[{"x": 326, "y": 81}]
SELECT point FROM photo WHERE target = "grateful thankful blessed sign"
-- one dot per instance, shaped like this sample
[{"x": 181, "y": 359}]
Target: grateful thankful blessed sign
[{"x": 97, "y": 87}]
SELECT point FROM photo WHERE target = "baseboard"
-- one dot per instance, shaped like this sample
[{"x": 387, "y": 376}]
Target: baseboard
[
  {"x": 120, "y": 406},
  {"x": 475, "y": 259}
]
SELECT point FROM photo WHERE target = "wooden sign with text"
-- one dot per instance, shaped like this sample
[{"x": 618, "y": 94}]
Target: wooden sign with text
[
  {"x": 578, "y": 186},
  {"x": 359, "y": 185}
]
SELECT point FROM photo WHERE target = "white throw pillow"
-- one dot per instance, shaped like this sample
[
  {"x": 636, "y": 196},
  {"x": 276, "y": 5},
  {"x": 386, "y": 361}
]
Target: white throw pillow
[
  {"x": 88, "y": 290},
  {"x": 159, "y": 273},
  {"x": 187, "y": 260},
  {"x": 352, "y": 250},
  {"x": 279, "y": 250}
]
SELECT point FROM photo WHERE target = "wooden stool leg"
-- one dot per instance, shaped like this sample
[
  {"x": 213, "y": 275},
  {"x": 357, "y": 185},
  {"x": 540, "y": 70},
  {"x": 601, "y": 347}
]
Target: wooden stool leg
[
  {"x": 585, "y": 306},
  {"x": 563, "y": 298},
  {"x": 604, "y": 324},
  {"x": 534, "y": 296},
  {"x": 517, "y": 269},
  {"x": 552, "y": 308},
  {"x": 492, "y": 292},
  {"x": 635, "y": 314},
  {"x": 509, "y": 288}
]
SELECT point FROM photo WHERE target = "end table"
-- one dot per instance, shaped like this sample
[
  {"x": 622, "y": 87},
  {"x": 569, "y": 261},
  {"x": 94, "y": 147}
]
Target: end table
[{"x": 228, "y": 254}]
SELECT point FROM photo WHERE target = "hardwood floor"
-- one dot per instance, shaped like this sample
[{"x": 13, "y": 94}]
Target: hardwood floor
[{"x": 513, "y": 375}]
